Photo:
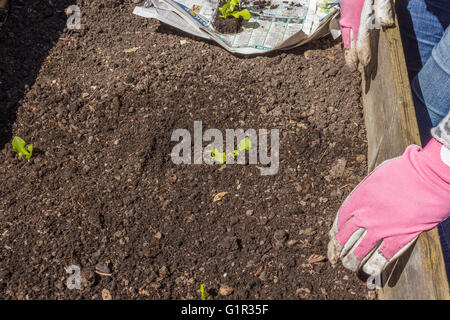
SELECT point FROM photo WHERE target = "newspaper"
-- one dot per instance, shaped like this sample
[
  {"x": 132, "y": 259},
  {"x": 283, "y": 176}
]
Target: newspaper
[{"x": 281, "y": 25}]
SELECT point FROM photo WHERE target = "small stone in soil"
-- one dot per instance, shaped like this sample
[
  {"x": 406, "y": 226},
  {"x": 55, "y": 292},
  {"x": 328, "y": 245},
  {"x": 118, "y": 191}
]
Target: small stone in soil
[
  {"x": 361, "y": 158},
  {"x": 225, "y": 290},
  {"x": 106, "y": 295}
]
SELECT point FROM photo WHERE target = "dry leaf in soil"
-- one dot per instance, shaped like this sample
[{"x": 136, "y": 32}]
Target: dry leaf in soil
[
  {"x": 131, "y": 50},
  {"x": 315, "y": 258},
  {"x": 219, "y": 196}
]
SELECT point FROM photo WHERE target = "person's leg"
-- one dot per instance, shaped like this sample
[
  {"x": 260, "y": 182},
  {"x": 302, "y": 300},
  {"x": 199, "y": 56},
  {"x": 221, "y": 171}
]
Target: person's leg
[
  {"x": 434, "y": 81},
  {"x": 431, "y": 88},
  {"x": 444, "y": 234},
  {"x": 422, "y": 24}
]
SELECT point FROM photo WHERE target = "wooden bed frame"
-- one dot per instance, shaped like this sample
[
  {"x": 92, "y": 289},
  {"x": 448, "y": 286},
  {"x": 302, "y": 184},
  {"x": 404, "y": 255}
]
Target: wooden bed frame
[{"x": 391, "y": 126}]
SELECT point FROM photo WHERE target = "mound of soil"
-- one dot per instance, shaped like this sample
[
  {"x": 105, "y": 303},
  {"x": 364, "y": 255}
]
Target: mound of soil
[
  {"x": 228, "y": 25},
  {"x": 100, "y": 105}
]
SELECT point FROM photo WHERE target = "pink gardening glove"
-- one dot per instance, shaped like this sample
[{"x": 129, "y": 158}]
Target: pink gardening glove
[
  {"x": 358, "y": 19},
  {"x": 350, "y": 20},
  {"x": 388, "y": 210}
]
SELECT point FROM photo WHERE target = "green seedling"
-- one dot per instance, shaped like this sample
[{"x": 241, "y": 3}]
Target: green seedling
[
  {"x": 205, "y": 294},
  {"x": 19, "y": 146},
  {"x": 221, "y": 157},
  {"x": 228, "y": 9},
  {"x": 234, "y": 154},
  {"x": 245, "y": 144}
]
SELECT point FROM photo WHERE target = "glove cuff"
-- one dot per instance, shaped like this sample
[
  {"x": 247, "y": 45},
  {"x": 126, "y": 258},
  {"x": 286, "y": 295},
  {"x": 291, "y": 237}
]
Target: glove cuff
[{"x": 438, "y": 159}]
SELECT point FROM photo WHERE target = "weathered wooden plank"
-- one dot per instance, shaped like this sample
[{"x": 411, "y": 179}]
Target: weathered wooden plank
[
  {"x": 3, "y": 4},
  {"x": 391, "y": 126}
]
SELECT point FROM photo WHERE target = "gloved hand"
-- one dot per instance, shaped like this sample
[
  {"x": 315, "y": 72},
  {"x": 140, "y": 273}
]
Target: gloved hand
[
  {"x": 358, "y": 18},
  {"x": 388, "y": 210}
]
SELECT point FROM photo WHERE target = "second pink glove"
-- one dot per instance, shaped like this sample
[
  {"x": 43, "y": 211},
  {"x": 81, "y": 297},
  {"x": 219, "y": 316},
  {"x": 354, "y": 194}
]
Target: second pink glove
[{"x": 386, "y": 212}]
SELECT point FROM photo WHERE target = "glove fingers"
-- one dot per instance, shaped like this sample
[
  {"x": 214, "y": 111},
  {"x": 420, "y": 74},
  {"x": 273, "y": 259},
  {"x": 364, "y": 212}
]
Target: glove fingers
[
  {"x": 363, "y": 43},
  {"x": 364, "y": 49},
  {"x": 373, "y": 16},
  {"x": 357, "y": 250},
  {"x": 353, "y": 242},
  {"x": 347, "y": 37},
  {"x": 348, "y": 236},
  {"x": 334, "y": 250},
  {"x": 349, "y": 259},
  {"x": 347, "y": 229},
  {"x": 375, "y": 264},
  {"x": 334, "y": 247},
  {"x": 394, "y": 247},
  {"x": 384, "y": 13},
  {"x": 351, "y": 56},
  {"x": 351, "y": 262},
  {"x": 378, "y": 261}
]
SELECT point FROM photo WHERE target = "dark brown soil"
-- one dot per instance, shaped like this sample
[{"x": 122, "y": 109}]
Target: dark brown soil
[
  {"x": 258, "y": 3},
  {"x": 227, "y": 25},
  {"x": 262, "y": 3},
  {"x": 102, "y": 193}
]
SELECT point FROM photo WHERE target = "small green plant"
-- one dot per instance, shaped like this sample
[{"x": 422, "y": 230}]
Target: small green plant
[
  {"x": 19, "y": 146},
  {"x": 245, "y": 144},
  {"x": 205, "y": 294},
  {"x": 221, "y": 157},
  {"x": 227, "y": 10}
]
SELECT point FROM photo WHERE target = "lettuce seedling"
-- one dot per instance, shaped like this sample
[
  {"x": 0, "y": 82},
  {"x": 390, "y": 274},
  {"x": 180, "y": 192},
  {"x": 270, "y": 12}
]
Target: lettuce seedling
[
  {"x": 205, "y": 294},
  {"x": 234, "y": 154},
  {"x": 19, "y": 147},
  {"x": 221, "y": 157},
  {"x": 245, "y": 144},
  {"x": 228, "y": 10}
]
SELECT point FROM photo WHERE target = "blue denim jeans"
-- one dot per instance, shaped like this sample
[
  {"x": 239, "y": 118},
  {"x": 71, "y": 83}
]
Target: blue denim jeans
[{"x": 425, "y": 31}]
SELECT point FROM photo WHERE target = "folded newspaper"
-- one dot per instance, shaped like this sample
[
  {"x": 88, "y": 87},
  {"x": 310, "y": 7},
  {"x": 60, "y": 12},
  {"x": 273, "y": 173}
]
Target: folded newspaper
[{"x": 274, "y": 25}]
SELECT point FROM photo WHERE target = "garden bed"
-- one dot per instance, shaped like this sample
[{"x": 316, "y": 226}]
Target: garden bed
[{"x": 100, "y": 106}]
